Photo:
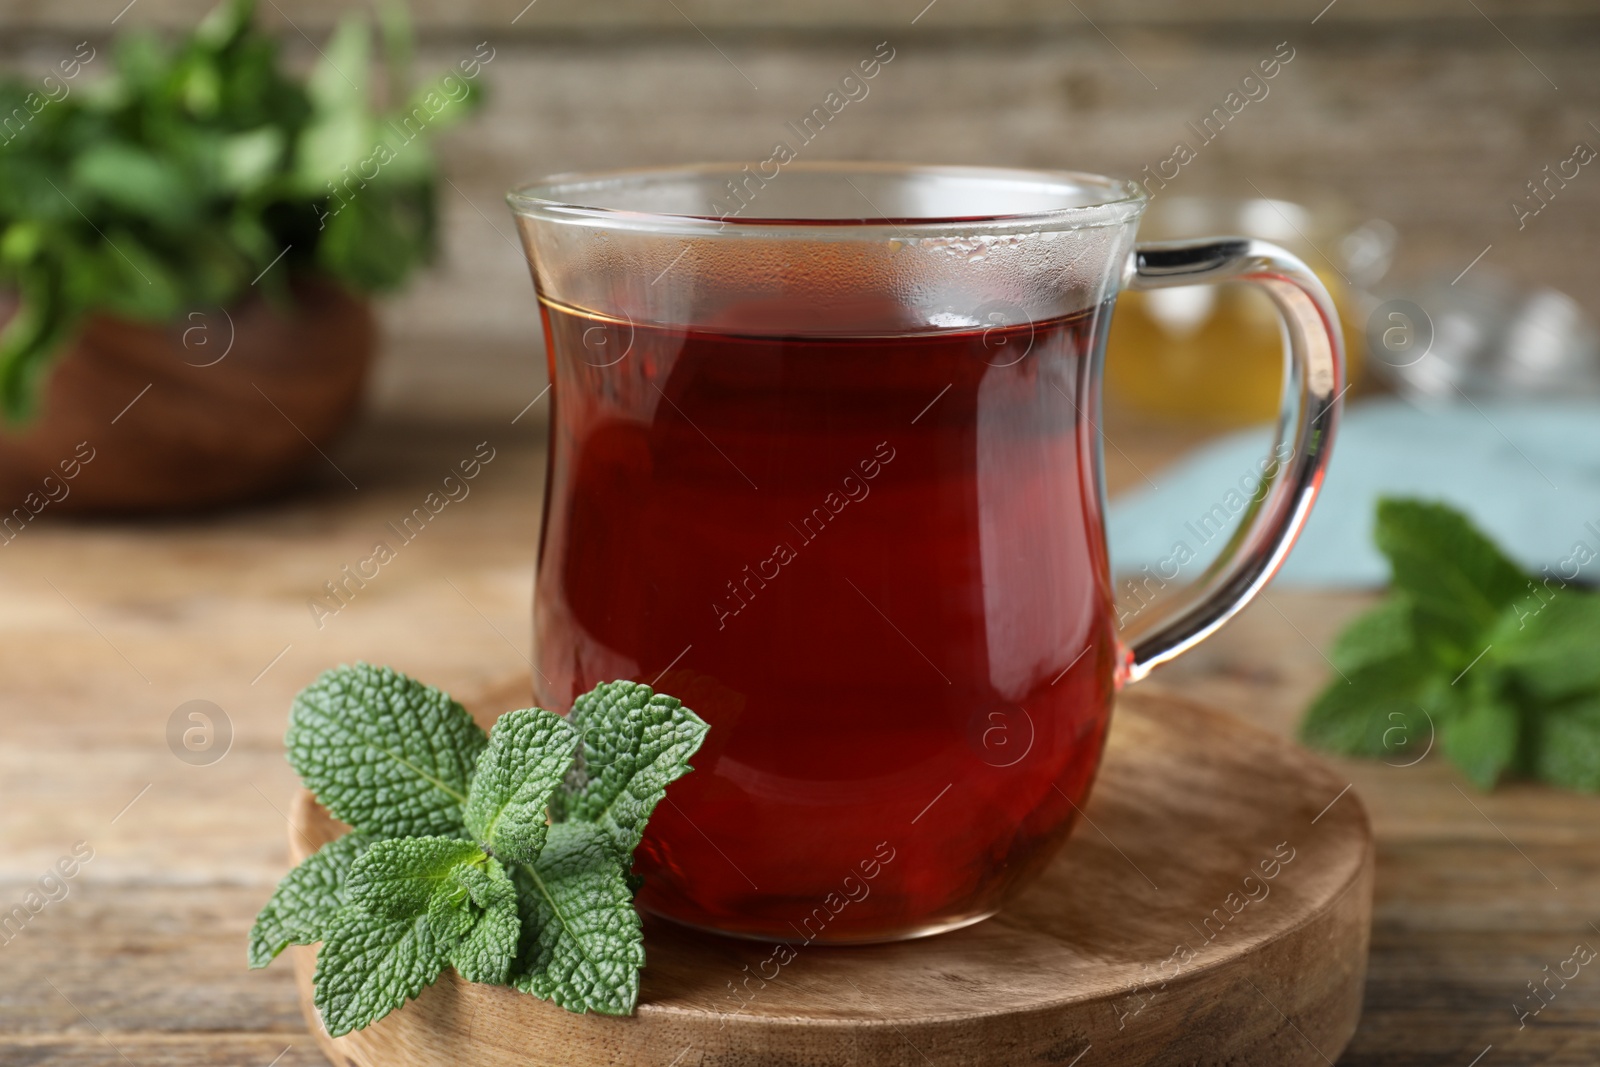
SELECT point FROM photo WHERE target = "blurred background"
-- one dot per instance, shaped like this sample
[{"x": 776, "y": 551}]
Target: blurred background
[{"x": 1431, "y": 114}]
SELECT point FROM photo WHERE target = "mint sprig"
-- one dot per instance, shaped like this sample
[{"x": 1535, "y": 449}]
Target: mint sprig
[
  {"x": 1500, "y": 666},
  {"x": 506, "y": 856}
]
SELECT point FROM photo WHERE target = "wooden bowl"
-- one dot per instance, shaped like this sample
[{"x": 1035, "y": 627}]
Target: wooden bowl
[
  {"x": 1212, "y": 907},
  {"x": 225, "y": 406}
]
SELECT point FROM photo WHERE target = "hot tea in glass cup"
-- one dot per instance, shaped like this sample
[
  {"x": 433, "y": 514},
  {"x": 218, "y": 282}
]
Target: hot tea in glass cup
[{"x": 828, "y": 470}]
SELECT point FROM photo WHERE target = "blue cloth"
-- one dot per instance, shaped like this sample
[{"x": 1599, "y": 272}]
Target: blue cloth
[{"x": 1528, "y": 475}]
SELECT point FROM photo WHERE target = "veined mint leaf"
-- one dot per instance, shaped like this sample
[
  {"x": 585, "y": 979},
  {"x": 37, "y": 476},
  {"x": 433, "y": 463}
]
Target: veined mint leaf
[
  {"x": 396, "y": 879},
  {"x": 367, "y": 967},
  {"x": 582, "y": 944},
  {"x": 1383, "y": 633},
  {"x": 451, "y": 914},
  {"x": 388, "y": 755},
  {"x": 1569, "y": 745},
  {"x": 450, "y": 908},
  {"x": 1458, "y": 582},
  {"x": 306, "y": 900},
  {"x": 635, "y": 743},
  {"x": 1553, "y": 646},
  {"x": 487, "y": 946},
  {"x": 529, "y": 754}
]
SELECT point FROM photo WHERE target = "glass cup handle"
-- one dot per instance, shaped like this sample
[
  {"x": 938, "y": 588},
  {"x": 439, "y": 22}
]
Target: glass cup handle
[{"x": 1313, "y": 385}]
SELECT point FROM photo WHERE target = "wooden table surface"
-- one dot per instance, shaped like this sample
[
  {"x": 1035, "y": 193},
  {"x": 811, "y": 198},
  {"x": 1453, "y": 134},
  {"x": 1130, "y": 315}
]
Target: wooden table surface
[{"x": 138, "y": 959}]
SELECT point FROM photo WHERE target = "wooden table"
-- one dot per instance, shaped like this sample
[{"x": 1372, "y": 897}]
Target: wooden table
[{"x": 109, "y": 628}]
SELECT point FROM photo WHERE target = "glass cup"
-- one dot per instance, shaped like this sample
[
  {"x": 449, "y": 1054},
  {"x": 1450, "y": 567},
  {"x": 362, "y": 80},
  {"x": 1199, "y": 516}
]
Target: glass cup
[{"x": 824, "y": 464}]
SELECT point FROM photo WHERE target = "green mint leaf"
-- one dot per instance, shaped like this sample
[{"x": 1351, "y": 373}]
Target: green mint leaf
[
  {"x": 1503, "y": 666},
  {"x": 487, "y": 947},
  {"x": 1481, "y": 736},
  {"x": 1568, "y": 753},
  {"x": 1374, "y": 710},
  {"x": 529, "y": 754},
  {"x": 388, "y": 755},
  {"x": 582, "y": 944},
  {"x": 339, "y": 82},
  {"x": 396, "y": 879},
  {"x": 1552, "y": 645},
  {"x": 306, "y": 900},
  {"x": 1458, "y": 582},
  {"x": 136, "y": 180},
  {"x": 367, "y": 967},
  {"x": 452, "y": 910},
  {"x": 635, "y": 743},
  {"x": 1383, "y": 633},
  {"x": 451, "y": 914}
]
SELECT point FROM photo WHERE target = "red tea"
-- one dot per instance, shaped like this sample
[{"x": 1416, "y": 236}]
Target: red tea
[{"x": 876, "y": 565}]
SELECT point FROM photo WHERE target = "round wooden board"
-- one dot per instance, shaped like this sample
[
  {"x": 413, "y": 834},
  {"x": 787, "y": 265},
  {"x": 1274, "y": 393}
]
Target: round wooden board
[{"x": 1155, "y": 937}]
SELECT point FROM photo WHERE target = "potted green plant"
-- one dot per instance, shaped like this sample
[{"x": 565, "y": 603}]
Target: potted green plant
[{"x": 188, "y": 246}]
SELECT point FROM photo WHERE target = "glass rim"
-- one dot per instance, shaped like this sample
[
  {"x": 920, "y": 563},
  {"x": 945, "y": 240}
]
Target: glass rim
[{"x": 559, "y": 198}]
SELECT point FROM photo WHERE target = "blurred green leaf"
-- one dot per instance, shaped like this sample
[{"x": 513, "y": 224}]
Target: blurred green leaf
[
  {"x": 1380, "y": 634},
  {"x": 1457, "y": 580},
  {"x": 374, "y": 235},
  {"x": 141, "y": 62},
  {"x": 42, "y": 321},
  {"x": 1482, "y": 738},
  {"x": 21, "y": 242},
  {"x": 145, "y": 286},
  {"x": 249, "y": 159},
  {"x": 202, "y": 89},
  {"x": 1358, "y": 711},
  {"x": 1569, "y": 749},
  {"x": 339, "y": 81},
  {"x": 134, "y": 180},
  {"x": 225, "y": 24},
  {"x": 1553, "y": 645},
  {"x": 1506, "y": 668},
  {"x": 394, "y": 22},
  {"x": 331, "y": 149}
]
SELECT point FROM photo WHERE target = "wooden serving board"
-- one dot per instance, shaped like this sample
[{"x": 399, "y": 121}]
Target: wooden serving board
[{"x": 1211, "y": 907}]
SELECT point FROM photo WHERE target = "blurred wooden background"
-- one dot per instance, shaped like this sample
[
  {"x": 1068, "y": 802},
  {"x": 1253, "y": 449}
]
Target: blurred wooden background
[{"x": 1429, "y": 113}]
